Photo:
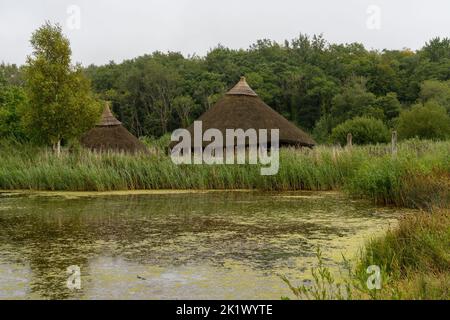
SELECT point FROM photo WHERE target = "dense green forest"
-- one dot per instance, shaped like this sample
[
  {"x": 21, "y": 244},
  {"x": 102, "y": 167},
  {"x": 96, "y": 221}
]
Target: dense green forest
[{"x": 317, "y": 85}]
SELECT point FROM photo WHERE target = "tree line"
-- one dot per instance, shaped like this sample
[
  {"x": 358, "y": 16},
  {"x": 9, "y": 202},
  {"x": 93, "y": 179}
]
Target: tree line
[{"x": 322, "y": 87}]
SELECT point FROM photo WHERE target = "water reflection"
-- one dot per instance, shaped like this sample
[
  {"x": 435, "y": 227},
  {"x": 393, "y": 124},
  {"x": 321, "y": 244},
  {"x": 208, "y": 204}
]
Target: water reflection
[{"x": 205, "y": 245}]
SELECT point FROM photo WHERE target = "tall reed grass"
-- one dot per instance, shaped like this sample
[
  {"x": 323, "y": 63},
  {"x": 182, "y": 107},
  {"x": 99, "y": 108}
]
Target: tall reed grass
[
  {"x": 418, "y": 174},
  {"x": 414, "y": 258}
]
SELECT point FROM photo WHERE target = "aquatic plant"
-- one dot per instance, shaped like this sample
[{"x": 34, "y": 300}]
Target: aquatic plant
[
  {"x": 322, "y": 286},
  {"x": 418, "y": 176},
  {"x": 413, "y": 258}
]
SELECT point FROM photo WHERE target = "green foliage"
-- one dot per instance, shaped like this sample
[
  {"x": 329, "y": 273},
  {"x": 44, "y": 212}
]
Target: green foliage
[
  {"x": 363, "y": 130},
  {"x": 438, "y": 91},
  {"x": 365, "y": 171},
  {"x": 417, "y": 178},
  {"x": 354, "y": 101},
  {"x": 11, "y": 99},
  {"x": 323, "y": 284},
  {"x": 60, "y": 102},
  {"x": 389, "y": 105},
  {"x": 322, "y": 129},
  {"x": 420, "y": 243},
  {"x": 413, "y": 257},
  {"x": 315, "y": 84},
  {"x": 11, "y": 75},
  {"x": 306, "y": 79},
  {"x": 184, "y": 106},
  {"x": 426, "y": 121},
  {"x": 437, "y": 49},
  {"x": 157, "y": 145}
]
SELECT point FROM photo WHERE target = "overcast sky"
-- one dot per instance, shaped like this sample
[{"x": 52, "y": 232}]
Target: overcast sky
[{"x": 104, "y": 30}]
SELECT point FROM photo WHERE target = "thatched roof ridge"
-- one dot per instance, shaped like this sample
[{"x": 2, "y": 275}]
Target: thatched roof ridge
[
  {"x": 242, "y": 88},
  {"x": 108, "y": 118}
]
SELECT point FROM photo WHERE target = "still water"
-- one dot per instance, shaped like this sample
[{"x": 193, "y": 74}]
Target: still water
[{"x": 180, "y": 245}]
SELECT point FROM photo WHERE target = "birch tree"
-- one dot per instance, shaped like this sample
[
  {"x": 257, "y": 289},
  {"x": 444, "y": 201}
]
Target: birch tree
[{"x": 61, "y": 105}]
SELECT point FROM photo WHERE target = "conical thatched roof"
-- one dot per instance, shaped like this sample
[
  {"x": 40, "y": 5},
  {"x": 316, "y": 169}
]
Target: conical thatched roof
[
  {"x": 241, "y": 108},
  {"x": 110, "y": 135},
  {"x": 108, "y": 119},
  {"x": 242, "y": 88}
]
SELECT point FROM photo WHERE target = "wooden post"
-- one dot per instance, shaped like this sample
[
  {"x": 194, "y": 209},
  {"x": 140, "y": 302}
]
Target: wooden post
[
  {"x": 349, "y": 140},
  {"x": 57, "y": 148},
  {"x": 394, "y": 143}
]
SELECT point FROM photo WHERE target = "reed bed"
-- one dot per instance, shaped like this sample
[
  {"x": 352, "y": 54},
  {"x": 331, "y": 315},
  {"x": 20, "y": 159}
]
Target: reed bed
[
  {"x": 418, "y": 174},
  {"x": 414, "y": 258}
]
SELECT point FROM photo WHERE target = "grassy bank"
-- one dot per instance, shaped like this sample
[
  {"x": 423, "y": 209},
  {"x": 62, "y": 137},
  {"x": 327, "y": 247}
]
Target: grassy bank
[
  {"x": 417, "y": 176},
  {"x": 414, "y": 258},
  {"x": 414, "y": 262}
]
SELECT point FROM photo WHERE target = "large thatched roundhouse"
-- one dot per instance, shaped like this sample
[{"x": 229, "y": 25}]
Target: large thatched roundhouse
[
  {"x": 241, "y": 108},
  {"x": 110, "y": 135}
]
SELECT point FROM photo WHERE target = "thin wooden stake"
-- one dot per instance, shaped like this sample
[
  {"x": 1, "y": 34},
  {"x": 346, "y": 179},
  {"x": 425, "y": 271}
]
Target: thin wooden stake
[
  {"x": 394, "y": 143},
  {"x": 349, "y": 140}
]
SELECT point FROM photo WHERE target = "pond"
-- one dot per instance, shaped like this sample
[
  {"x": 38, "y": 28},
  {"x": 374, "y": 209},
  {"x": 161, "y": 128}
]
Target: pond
[{"x": 175, "y": 245}]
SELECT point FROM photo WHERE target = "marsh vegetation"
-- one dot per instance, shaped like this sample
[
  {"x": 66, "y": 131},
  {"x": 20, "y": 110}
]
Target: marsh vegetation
[{"x": 418, "y": 176}]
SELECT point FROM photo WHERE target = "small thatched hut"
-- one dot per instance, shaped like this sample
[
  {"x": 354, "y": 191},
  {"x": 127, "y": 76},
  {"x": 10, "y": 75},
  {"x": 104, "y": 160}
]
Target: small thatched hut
[
  {"x": 110, "y": 135},
  {"x": 241, "y": 108}
]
